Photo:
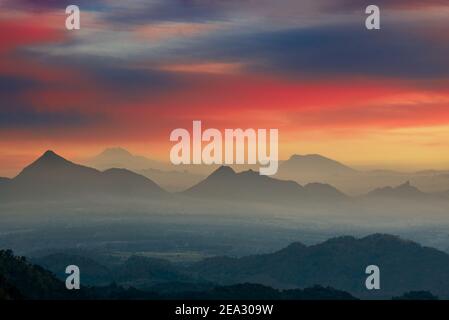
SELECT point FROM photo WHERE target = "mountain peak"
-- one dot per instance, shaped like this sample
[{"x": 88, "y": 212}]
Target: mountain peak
[
  {"x": 313, "y": 164},
  {"x": 404, "y": 190},
  {"x": 47, "y": 161},
  {"x": 223, "y": 171},
  {"x": 117, "y": 151},
  {"x": 50, "y": 154},
  {"x": 313, "y": 156},
  {"x": 249, "y": 173},
  {"x": 50, "y": 157}
]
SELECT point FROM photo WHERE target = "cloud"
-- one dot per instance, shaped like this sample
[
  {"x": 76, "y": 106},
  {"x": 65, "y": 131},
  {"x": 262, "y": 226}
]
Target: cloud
[
  {"x": 344, "y": 5},
  {"x": 10, "y": 85},
  {"x": 140, "y": 12},
  {"x": 43, "y": 5},
  {"x": 27, "y": 117},
  {"x": 395, "y": 51}
]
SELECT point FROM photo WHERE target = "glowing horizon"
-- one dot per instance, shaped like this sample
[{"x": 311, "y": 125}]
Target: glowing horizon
[{"x": 135, "y": 72}]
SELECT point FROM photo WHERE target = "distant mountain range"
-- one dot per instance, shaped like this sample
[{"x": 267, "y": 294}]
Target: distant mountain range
[
  {"x": 313, "y": 164},
  {"x": 303, "y": 169},
  {"x": 170, "y": 177},
  {"x": 173, "y": 180},
  {"x": 339, "y": 263},
  {"x": 53, "y": 177},
  {"x": 225, "y": 183},
  {"x": 316, "y": 168},
  {"x": 121, "y": 158},
  {"x": 405, "y": 190}
]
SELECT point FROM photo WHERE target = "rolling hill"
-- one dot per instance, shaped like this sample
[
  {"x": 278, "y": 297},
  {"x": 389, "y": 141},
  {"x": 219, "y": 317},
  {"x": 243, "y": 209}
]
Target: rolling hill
[
  {"x": 20, "y": 279},
  {"x": 340, "y": 263}
]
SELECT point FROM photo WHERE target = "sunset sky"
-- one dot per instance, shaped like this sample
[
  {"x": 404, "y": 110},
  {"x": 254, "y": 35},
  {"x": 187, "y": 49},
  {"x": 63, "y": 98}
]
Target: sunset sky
[{"x": 139, "y": 69}]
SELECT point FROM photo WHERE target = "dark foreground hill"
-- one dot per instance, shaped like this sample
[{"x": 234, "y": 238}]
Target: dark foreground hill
[
  {"x": 340, "y": 263},
  {"x": 248, "y": 291},
  {"x": 20, "y": 279}
]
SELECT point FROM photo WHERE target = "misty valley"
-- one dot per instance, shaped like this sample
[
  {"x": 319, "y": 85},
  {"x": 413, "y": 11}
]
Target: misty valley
[{"x": 233, "y": 234}]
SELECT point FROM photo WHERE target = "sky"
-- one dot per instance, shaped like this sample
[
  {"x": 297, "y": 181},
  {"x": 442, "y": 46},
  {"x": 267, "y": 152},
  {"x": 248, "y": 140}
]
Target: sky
[{"x": 139, "y": 69}]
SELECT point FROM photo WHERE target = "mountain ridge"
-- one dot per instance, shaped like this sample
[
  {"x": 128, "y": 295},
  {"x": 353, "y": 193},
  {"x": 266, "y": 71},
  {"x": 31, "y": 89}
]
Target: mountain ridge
[
  {"x": 52, "y": 177},
  {"x": 249, "y": 185},
  {"x": 340, "y": 263}
]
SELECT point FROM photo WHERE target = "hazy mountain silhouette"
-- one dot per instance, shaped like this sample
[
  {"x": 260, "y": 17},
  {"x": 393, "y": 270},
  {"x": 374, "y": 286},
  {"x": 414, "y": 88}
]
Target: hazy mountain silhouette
[
  {"x": 316, "y": 168},
  {"x": 173, "y": 180},
  {"x": 170, "y": 177},
  {"x": 313, "y": 164},
  {"x": 403, "y": 191},
  {"x": 339, "y": 263},
  {"x": 225, "y": 183},
  {"x": 52, "y": 176},
  {"x": 121, "y": 158},
  {"x": 4, "y": 181}
]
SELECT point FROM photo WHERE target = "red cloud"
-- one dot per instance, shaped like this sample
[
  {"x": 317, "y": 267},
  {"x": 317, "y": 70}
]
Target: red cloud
[{"x": 32, "y": 29}]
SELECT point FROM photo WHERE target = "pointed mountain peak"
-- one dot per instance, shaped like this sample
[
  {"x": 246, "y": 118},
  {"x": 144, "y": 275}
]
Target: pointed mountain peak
[
  {"x": 223, "y": 171},
  {"x": 50, "y": 157}
]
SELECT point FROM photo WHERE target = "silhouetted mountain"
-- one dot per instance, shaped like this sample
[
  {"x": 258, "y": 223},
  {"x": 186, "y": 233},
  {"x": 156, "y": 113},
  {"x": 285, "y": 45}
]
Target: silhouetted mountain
[
  {"x": 339, "y": 263},
  {"x": 121, "y": 158},
  {"x": 313, "y": 164},
  {"x": 30, "y": 281},
  {"x": 249, "y": 291},
  {"x": 20, "y": 279},
  {"x": 173, "y": 181},
  {"x": 225, "y": 183},
  {"x": 416, "y": 295},
  {"x": 93, "y": 272},
  {"x": 7, "y": 291},
  {"x": 316, "y": 168},
  {"x": 323, "y": 191},
  {"x": 4, "y": 180},
  {"x": 404, "y": 191},
  {"x": 54, "y": 177}
]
